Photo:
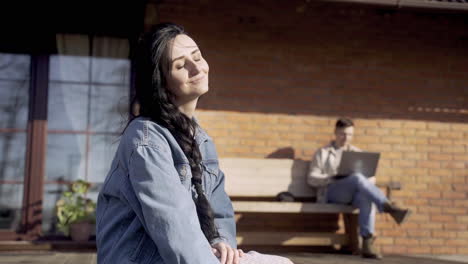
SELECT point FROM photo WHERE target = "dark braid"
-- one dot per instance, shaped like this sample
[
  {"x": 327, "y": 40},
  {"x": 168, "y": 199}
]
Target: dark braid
[{"x": 157, "y": 103}]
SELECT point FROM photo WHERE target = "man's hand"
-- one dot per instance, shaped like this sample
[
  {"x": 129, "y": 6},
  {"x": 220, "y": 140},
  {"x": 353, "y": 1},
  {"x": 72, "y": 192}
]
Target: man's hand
[
  {"x": 372, "y": 179},
  {"x": 226, "y": 254}
]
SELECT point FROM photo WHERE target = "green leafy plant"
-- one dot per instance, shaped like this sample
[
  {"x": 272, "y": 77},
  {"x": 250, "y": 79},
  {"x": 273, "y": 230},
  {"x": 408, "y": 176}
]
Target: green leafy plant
[{"x": 74, "y": 207}]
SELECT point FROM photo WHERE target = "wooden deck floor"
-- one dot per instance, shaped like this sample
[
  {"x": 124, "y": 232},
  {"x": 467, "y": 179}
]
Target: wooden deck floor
[{"x": 297, "y": 258}]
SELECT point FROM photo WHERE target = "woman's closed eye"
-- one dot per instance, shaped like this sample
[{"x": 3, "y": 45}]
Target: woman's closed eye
[
  {"x": 180, "y": 66},
  {"x": 197, "y": 56}
]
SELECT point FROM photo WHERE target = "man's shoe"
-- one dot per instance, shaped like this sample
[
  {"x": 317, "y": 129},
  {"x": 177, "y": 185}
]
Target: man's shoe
[
  {"x": 368, "y": 250},
  {"x": 398, "y": 214}
]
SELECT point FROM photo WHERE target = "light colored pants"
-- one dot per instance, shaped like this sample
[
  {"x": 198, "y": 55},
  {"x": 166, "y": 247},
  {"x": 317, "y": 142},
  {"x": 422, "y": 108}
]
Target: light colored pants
[
  {"x": 358, "y": 191},
  {"x": 253, "y": 257}
]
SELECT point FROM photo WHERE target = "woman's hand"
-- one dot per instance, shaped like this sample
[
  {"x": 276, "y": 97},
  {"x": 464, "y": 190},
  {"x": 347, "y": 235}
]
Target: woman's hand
[{"x": 227, "y": 254}]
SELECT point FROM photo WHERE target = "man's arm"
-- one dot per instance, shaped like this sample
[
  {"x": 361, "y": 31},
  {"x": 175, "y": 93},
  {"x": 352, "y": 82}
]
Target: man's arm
[{"x": 316, "y": 176}]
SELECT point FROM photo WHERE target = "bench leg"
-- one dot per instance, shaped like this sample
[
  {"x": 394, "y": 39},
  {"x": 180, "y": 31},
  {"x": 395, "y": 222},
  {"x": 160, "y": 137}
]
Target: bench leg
[{"x": 351, "y": 229}]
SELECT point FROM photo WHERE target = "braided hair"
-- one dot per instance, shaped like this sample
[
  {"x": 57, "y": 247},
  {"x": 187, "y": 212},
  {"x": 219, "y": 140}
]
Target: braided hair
[{"x": 157, "y": 102}]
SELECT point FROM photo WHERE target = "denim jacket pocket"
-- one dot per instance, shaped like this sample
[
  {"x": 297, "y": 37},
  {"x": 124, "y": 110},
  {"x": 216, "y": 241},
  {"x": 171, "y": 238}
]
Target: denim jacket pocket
[
  {"x": 210, "y": 175},
  {"x": 185, "y": 174}
]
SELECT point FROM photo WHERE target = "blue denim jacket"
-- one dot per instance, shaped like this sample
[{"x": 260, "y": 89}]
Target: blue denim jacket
[{"x": 146, "y": 211}]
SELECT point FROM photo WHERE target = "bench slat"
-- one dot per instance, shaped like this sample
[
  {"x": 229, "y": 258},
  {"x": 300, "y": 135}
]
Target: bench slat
[
  {"x": 290, "y": 207},
  {"x": 291, "y": 239},
  {"x": 265, "y": 177}
]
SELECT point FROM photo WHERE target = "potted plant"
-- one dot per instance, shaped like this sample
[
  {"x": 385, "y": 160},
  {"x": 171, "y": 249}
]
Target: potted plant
[{"x": 75, "y": 212}]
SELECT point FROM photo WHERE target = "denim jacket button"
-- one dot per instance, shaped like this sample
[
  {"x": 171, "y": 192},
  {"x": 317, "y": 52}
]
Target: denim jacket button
[{"x": 183, "y": 171}]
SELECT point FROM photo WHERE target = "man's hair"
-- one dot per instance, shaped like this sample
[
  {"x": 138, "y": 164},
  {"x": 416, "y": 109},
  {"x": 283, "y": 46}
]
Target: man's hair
[{"x": 343, "y": 122}]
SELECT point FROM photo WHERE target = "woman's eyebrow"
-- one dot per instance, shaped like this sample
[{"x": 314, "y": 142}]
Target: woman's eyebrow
[{"x": 180, "y": 57}]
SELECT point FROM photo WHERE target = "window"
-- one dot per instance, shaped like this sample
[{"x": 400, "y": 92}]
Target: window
[
  {"x": 87, "y": 110},
  {"x": 14, "y": 100}
]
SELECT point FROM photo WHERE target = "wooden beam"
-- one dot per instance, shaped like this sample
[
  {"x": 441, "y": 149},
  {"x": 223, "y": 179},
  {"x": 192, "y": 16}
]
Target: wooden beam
[
  {"x": 291, "y": 239},
  {"x": 290, "y": 207}
]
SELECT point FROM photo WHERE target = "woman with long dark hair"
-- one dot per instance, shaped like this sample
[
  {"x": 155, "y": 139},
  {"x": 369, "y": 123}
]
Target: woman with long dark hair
[{"x": 163, "y": 200}]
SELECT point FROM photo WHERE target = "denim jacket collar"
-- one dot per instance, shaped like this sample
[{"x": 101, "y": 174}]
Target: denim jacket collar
[{"x": 200, "y": 134}]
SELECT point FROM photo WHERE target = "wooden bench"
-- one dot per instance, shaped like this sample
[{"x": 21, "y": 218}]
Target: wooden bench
[{"x": 253, "y": 185}]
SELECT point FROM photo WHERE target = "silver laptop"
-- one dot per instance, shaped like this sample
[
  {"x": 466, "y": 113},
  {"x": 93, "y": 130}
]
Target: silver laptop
[{"x": 362, "y": 162}]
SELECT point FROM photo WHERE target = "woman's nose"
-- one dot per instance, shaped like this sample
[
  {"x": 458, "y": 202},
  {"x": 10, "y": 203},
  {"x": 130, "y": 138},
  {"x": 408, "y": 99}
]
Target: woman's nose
[{"x": 194, "y": 68}]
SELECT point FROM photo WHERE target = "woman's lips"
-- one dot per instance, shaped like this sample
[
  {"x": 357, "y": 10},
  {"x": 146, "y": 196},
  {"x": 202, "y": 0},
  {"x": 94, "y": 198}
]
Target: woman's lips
[{"x": 197, "y": 79}]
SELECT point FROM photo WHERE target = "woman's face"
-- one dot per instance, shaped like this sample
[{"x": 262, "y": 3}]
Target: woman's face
[{"x": 187, "y": 78}]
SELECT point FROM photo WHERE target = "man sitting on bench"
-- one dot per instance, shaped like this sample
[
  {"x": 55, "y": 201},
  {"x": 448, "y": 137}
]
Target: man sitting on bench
[{"x": 355, "y": 189}]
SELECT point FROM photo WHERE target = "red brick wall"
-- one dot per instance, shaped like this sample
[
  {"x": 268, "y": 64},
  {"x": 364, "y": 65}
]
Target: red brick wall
[{"x": 280, "y": 77}]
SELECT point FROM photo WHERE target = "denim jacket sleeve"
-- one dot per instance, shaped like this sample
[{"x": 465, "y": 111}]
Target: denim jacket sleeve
[
  {"x": 169, "y": 213},
  {"x": 224, "y": 213}
]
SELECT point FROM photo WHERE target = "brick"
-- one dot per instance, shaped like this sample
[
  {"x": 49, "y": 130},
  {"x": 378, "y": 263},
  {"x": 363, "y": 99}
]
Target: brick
[
  {"x": 439, "y": 126},
  {"x": 454, "y": 195},
  {"x": 376, "y": 131},
  {"x": 441, "y": 202},
  {"x": 406, "y": 241},
  {"x": 462, "y": 250},
  {"x": 415, "y": 156},
  {"x": 294, "y": 136},
  {"x": 417, "y": 202},
  {"x": 316, "y": 121},
  {"x": 462, "y": 234},
  {"x": 432, "y": 226},
  {"x": 385, "y": 241},
  {"x": 453, "y": 164},
  {"x": 419, "y": 250},
  {"x": 429, "y": 209},
  {"x": 459, "y": 127},
  {"x": 428, "y": 148},
  {"x": 434, "y": 156},
  {"x": 426, "y": 133},
  {"x": 416, "y": 141},
  {"x": 429, "y": 164},
  {"x": 461, "y": 187},
  {"x": 444, "y": 250},
  {"x": 365, "y": 123},
  {"x": 461, "y": 203},
  {"x": 440, "y": 172},
  {"x": 391, "y": 155},
  {"x": 404, "y": 163},
  {"x": 454, "y": 211},
  {"x": 442, "y": 218},
  {"x": 404, "y": 148},
  {"x": 379, "y": 147},
  {"x": 390, "y": 124},
  {"x": 441, "y": 141},
  {"x": 461, "y": 157},
  {"x": 414, "y": 124},
  {"x": 456, "y": 242},
  {"x": 443, "y": 234},
  {"x": 453, "y": 149},
  {"x": 433, "y": 194},
  {"x": 395, "y": 249},
  {"x": 419, "y": 218},
  {"x": 392, "y": 140},
  {"x": 393, "y": 233},
  {"x": 456, "y": 226},
  {"x": 428, "y": 179},
  {"x": 403, "y": 132},
  {"x": 248, "y": 142},
  {"x": 452, "y": 135},
  {"x": 433, "y": 241},
  {"x": 366, "y": 139}
]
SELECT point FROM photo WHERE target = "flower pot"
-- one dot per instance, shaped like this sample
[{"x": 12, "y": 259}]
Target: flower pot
[{"x": 80, "y": 231}]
